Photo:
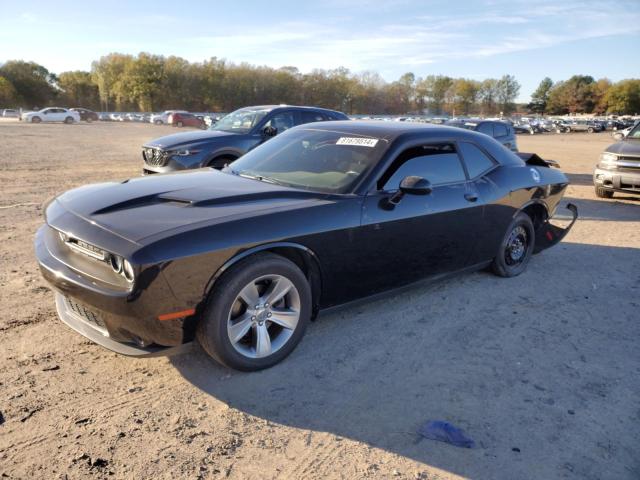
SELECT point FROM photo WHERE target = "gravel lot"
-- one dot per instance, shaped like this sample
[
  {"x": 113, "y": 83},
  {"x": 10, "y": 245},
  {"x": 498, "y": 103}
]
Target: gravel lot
[{"x": 541, "y": 370}]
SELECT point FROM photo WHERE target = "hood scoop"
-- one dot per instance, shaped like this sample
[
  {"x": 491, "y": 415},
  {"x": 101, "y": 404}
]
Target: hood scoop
[{"x": 201, "y": 197}]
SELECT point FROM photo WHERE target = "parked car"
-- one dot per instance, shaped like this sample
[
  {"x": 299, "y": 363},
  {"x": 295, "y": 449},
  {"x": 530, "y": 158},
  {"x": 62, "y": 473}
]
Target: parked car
[
  {"x": 585, "y": 126},
  {"x": 321, "y": 215},
  {"x": 116, "y": 117},
  {"x": 619, "y": 167},
  {"x": 51, "y": 114},
  {"x": 10, "y": 113},
  {"x": 163, "y": 118},
  {"x": 186, "y": 120},
  {"x": 86, "y": 115},
  {"x": 620, "y": 134},
  {"x": 501, "y": 131},
  {"x": 230, "y": 138}
]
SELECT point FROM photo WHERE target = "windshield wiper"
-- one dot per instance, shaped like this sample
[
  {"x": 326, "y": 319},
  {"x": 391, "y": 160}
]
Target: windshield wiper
[{"x": 261, "y": 178}]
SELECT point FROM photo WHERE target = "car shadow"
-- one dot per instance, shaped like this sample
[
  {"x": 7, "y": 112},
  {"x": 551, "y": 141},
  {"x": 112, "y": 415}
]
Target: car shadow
[
  {"x": 603, "y": 209},
  {"x": 527, "y": 366}
]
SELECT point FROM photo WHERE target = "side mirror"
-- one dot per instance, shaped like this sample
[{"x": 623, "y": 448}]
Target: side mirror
[
  {"x": 411, "y": 185},
  {"x": 415, "y": 186},
  {"x": 269, "y": 131}
]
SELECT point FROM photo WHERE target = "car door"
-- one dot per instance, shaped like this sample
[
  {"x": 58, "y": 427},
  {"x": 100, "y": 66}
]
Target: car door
[
  {"x": 420, "y": 236},
  {"x": 48, "y": 115}
]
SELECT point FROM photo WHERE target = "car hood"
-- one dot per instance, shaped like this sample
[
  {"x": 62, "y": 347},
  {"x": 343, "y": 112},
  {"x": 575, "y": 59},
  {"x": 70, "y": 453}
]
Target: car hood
[
  {"x": 625, "y": 147},
  {"x": 187, "y": 138},
  {"x": 141, "y": 208}
]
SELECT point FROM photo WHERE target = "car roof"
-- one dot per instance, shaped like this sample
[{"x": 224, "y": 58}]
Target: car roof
[
  {"x": 387, "y": 130},
  {"x": 290, "y": 107}
]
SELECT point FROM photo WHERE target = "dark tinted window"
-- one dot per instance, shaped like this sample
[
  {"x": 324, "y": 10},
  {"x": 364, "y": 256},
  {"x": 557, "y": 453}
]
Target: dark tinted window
[
  {"x": 310, "y": 117},
  {"x": 438, "y": 163},
  {"x": 281, "y": 121},
  {"x": 486, "y": 128},
  {"x": 500, "y": 130},
  {"x": 476, "y": 160}
]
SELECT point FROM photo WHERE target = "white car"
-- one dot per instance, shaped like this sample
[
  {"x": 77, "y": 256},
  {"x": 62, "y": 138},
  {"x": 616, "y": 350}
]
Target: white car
[
  {"x": 163, "y": 118},
  {"x": 51, "y": 114},
  {"x": 10, "y": 113}
]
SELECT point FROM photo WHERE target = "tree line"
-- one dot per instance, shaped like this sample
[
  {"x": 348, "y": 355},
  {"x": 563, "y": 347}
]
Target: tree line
[{"x": 146, "y": 82}]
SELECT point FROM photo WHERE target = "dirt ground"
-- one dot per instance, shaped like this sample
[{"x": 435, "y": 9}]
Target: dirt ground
[{"x": 542, "y": 370}]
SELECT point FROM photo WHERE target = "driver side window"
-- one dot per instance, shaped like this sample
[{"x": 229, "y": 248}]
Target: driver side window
[
  {"x": 439, "y": 163},
  {"x": 281, "y": 121}
]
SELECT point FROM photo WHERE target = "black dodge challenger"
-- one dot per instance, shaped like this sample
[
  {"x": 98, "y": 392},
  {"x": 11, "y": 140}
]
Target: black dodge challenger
[{"x": 324, "y": 214}]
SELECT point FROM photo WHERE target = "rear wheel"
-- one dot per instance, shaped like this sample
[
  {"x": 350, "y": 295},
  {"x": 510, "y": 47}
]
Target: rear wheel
[
  {"x": 590, "y": 130},
  {"x": 68, "y": 120},
  {"x": 256, "y": 314},
  {"x": 516, "y": 247},
  {"x": 158, "y": 122},
  {"x": 603, "y": 193},
  {"x": 89, "y": 119}
]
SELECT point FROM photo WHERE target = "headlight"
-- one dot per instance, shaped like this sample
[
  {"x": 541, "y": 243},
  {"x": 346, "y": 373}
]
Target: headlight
[
  {"x": 186, "y": 152},
  {"x": 608, "y": 158},
  {"x": 122, "y": 267}
]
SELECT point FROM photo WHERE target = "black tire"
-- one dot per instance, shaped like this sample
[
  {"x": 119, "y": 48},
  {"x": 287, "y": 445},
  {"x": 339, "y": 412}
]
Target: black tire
[
  {"x": 219, "y": 162},
  {"x": 211, "y": 331},
  {"x": 603, "y": 193},
  {"x": 68, "y": 120},
  {"x": 590, "y": 130},
  {"x": 89, "y": 119},
  {"x": 180, "y": 124},
  {"x": 36, "y": 120},
  {"x": 158, "y": 122},
  {"x": 509, "y": 261}
]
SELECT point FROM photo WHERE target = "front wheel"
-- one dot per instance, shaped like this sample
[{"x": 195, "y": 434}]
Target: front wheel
[
  {"x": 36, "y": 120},
  {"x": 158, "y": 122},
  {"x": 603, "y": 193},
  {"x": 257, "y": 313},
  {"x": 68, "y": 120},
  {"x": 590, "y": 130},
  {"x": 516, "y": 247}
]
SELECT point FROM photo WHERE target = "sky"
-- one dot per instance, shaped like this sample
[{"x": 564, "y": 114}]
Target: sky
[{"x": 460, "y": 38}]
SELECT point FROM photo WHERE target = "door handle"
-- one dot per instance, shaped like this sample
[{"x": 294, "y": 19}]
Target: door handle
[{"x": 470, "y": 197}]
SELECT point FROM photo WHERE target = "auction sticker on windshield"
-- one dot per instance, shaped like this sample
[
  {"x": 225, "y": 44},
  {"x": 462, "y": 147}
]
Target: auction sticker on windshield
[{"x": 362, "y": 142}]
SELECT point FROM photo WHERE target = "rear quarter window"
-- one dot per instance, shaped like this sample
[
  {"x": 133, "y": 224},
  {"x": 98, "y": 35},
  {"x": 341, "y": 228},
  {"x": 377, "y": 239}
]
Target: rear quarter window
[{"x": 475, "y": 159}]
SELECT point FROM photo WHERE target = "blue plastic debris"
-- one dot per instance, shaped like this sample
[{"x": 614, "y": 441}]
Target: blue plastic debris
[{"x": 445, "y": 432}]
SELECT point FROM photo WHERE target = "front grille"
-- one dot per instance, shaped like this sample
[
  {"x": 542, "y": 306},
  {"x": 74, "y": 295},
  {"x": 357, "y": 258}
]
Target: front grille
[
  {"x": 154, "y": 156},
  {"x": 629, "y": 162},
  {"x": 85, "y": 314}
]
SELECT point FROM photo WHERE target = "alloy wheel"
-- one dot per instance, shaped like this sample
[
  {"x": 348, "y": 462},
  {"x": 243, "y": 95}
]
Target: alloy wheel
[{"x": 263, "y": 316}]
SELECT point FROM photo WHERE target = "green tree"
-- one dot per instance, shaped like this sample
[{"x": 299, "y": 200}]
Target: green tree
[
  {"x": 540, "y": 97},
  {"x": 34, "y": 84},
  {"x": 488, "y": 95},
  {"x": 508, "y": 89},
  {"x": 8, "y": 94},
  {"x": 433, "y": 90},
  {"x": 623, "y": 98},
  {"x": 78, "y": 89}
]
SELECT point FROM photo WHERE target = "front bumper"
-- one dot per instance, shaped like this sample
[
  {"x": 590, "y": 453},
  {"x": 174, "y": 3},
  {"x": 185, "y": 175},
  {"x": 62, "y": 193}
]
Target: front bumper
[
  {"x": 123, "y": 321},
  {"x": 620, "y": 180},
  {"x": 93, "y": 332}
]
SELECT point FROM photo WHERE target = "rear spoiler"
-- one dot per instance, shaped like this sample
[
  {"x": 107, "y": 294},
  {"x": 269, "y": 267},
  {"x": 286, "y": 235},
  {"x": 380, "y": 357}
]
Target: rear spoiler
[{"x": 535, "y": 159}]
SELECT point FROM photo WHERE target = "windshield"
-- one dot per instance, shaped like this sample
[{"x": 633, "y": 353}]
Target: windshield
[
  {"x": 635, "y": 132},
  {"x": 316, "y": 160},
  {"x": 240, "y": 121}
]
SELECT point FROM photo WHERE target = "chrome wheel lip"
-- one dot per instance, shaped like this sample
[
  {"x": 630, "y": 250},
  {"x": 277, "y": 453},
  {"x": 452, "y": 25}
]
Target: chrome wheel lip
[
  {"x": 266, "y": 320},
  {"x": 517, "y": 246}
]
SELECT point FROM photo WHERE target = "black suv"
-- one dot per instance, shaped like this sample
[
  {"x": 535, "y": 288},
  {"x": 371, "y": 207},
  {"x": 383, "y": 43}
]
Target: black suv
[
  {"x": 619, "y": 167},
  {"x": 229, "y": 138},
  {"x": 503, "y": 132}
]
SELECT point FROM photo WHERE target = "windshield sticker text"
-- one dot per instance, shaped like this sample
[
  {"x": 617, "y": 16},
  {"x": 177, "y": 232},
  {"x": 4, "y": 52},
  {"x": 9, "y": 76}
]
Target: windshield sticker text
[{"x": 361, "y": 142}]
